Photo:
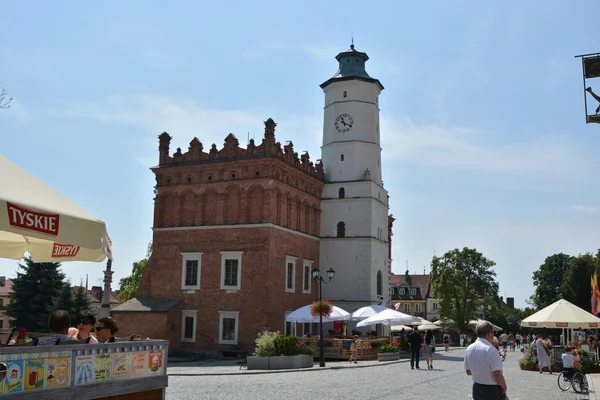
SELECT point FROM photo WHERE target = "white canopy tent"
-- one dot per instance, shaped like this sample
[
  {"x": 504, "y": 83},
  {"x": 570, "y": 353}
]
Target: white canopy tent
[
  {"x": 37, "y": 219},
  {"x": 303, "y": 315},
  {"x": 368, "y": 311},
  {"x": 429, "y": 327},
  {"x": 564, "y": 315},
  {"x": 388, "y": 317}
]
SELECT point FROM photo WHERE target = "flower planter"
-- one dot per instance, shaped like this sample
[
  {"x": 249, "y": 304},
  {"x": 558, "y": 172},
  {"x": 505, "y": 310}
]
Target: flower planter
[
  {"x": 388, "y": 356},
  {"x": 280, "y": 362}
]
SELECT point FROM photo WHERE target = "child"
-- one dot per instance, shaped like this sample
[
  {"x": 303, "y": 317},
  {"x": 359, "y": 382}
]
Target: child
[{"x": 353, "y": 350}]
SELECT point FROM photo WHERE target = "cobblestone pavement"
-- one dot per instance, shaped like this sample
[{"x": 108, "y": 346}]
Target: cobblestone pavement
[{"x": 377, "y": 381}]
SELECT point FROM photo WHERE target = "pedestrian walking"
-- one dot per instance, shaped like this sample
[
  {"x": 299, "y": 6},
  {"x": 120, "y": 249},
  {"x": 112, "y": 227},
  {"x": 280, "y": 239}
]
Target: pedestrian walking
[
  {"x": 484, "y": 365},
  {"x": 416, "y": 341}
]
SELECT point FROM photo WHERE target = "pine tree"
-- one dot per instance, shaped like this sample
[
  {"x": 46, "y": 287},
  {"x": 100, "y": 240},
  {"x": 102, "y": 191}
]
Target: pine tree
[
  {"x": 81, "y": 304},
  {"x": 35, "y": 291},
  {"x": 65, "y": 300}
]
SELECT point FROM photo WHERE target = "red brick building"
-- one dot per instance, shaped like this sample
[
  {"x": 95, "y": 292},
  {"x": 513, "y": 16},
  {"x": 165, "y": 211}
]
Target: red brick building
[{"x": 236, "y": 234}]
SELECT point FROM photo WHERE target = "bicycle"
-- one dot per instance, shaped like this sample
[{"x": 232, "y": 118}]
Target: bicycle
[{"x": 577, "y": 380}]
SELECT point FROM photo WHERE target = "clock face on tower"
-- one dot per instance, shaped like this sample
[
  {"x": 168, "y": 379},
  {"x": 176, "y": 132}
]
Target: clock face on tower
[{"x": 344, "y": 122}]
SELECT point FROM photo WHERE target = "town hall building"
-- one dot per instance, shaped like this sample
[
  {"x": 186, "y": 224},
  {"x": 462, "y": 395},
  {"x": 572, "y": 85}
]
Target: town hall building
[{"x": 237, "y": 231}]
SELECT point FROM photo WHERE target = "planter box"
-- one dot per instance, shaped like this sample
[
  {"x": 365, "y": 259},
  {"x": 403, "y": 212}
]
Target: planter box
[
  {"x": 280, "y": 362},
  {"x": 388, "y": 356}
]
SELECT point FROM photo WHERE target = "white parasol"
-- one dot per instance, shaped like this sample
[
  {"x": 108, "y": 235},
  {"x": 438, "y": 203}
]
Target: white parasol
[
  {"x": 388, "y": 317},
  {"x": 429, "y": 327},
  {"x": 368, "y": 311},
  {"x": 562, "y": 314},
  {"x": 303, "y": 315},
  {"x": 37, "y": 219}
]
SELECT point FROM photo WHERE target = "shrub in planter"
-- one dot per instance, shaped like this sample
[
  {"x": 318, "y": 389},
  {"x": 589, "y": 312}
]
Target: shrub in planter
[
  {"x": 388, "y": 348},
  {"x": 285, "y": 345},
  {"x": 265, "y": 344}
]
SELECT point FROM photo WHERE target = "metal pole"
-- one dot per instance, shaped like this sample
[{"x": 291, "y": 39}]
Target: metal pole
[{"x": 321, "y": 349}]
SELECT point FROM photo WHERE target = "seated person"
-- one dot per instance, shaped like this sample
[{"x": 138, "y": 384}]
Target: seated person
[
  {"x": 84, "y": 328},
  {"x": 58, "y": 323},
  {"x": 571, "y": 362},
  {"x": 106, "y": 329}
]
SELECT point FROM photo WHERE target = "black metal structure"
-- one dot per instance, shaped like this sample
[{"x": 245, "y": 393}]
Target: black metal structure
[{"x": 590, "y": 64}]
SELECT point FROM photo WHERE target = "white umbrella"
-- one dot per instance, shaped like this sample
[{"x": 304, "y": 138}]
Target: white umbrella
[
  {"x": 476, "y": 321},
  {"x": 396, "y": 328},
  {"x": 388, "y": 317},
  {"x": 303, "y": 315},
  {"x": 36, "y": 218},
  {"x": 366, "y": 312},
  {"x": 562, "y": 314},
  {"x": 419, "y": 321},
  {"x": 444, "y": 322},
  {"x": 429, "y": 327}
]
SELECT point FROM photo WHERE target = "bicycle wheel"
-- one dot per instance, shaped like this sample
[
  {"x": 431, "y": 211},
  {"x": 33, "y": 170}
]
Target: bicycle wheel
[
  {"x": 563, "y": 382},
  {"x": 580, "y": 384}
]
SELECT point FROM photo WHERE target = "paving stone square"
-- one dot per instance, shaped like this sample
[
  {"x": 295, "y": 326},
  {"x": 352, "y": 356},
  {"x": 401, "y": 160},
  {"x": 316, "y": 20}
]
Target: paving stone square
[{"x": 368, "y": 380}]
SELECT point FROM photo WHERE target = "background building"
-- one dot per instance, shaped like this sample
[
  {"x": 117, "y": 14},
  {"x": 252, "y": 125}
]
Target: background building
[{"x": 4, "y": 302}]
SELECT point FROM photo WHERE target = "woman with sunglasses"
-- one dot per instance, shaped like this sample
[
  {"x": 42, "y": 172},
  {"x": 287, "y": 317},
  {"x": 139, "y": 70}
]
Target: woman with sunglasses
[
  {"x": 106, "y": 329},
  {"x": 84, "y": 329}
]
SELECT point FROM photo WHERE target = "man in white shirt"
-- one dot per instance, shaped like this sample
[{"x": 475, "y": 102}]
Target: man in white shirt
[{"x": 484, "y": 364}]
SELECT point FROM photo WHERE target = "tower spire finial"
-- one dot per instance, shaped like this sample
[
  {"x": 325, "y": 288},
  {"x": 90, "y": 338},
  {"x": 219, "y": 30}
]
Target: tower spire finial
[{"x": 352, "y": 40}]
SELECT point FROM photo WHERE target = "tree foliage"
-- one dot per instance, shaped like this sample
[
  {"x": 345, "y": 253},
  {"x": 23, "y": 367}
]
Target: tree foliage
[
  {"x": 463, "y": 280},
  {"x": 65, "y": 298},
  {"x": 35, "y": 292},
  {"x": 81, "y": 304},
  {"x": 548, "y": 280},
  {"x": 128, "y": 286},
  {"x": 576, "y": 286}
]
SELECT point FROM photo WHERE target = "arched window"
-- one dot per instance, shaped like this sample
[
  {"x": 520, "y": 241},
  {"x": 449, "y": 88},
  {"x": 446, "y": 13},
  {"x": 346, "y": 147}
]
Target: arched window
[
  {"x": 341, "y": 229},
  {"x": 342, "y": 193},
  {"x": 379, "y": 283}
]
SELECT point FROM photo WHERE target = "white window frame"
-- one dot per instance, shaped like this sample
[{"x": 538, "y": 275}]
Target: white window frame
[
  {"x": 309, "y": 264},
  {"x": 417, "y": 307},
  {"x": 406, "y": 305},
  {"x": 413, "y": 291},
  {"x": 290, "y": 260},
  {"x": 190, "y": 257},
  {"x": 194, "y": 315},
  {"x": 402, "y": 291},
  {"x": 292, "y": 325},
  {"x": 435, "y": 306},
  {"x": 229, "y": 314},
  {"x": 231, "y": 255}
]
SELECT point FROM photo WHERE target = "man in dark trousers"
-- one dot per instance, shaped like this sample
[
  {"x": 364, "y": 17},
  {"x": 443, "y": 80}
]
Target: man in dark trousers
[{"x": 415, "y": 340}]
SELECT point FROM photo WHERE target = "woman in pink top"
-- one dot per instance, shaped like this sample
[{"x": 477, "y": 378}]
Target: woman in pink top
[{"x": 84, "y": 328}]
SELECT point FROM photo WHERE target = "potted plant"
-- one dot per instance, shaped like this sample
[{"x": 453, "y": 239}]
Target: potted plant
[
  {"x": 388, "y": 352},
  {"x": 322, "y": 308}
]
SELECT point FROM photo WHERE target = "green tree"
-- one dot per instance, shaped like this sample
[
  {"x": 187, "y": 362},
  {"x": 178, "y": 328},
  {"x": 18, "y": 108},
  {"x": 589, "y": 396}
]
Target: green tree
[
  {"x": 128, "y": 286},
  {"x": 34, "y": 294},
  {"x": 548, "y": 279},
  {"x": 576, "y": 286},
  {"x": 81, "y": 304},
  {"x": 65, "y": 299},
  {"x": 463, "y": 280}
]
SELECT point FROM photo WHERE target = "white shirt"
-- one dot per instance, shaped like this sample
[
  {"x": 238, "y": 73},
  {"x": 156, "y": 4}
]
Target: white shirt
[
  {"x": 503, "y": 338},
  {"x": 567, "y": 360},
  {"x": 482, "y": 359}
]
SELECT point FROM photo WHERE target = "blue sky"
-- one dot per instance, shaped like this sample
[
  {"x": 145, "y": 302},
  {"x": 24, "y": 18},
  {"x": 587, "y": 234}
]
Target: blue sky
[{"x": 483, "y": 130}]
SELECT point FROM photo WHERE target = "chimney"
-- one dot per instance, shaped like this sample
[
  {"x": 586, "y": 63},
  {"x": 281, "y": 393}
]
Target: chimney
[
  {"x": 501, "y": 299},
  {"x": 510, "y": 302}
]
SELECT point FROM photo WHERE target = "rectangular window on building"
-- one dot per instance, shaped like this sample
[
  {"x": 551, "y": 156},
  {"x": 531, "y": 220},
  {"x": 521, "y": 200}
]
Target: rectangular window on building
[
  {"x": 191, "y": 268},
  {"x": 290, "y": 274},
  {"x": 228, "y": 327},
  {"x": 413, "y": 291},
  {"x": 188, "y": 325},
  {"x": 435, "y": 306},
  {"x": 417, "y": 308},
  {"x": 231, "y": 270},
  {"x": 402, "y": 291},
  {"x": 306, "y": 276},
  {"x": 407, "y": 308}
]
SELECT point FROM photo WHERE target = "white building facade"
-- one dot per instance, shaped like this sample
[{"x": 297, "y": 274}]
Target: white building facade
[{"x": 354, "y": 219}]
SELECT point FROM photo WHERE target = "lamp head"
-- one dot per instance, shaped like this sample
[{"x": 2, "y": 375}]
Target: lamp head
[
  {"x": 330, "y": 273},
  {"x": 315, "y": 273}
]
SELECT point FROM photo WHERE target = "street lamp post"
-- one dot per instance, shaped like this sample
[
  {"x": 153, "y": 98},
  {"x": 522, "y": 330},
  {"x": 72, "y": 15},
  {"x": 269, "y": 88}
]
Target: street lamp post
[{"x": 316, "y": 275}]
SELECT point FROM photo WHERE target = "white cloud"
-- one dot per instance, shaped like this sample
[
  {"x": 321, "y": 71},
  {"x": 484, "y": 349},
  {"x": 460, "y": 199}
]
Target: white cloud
[
  {"x": 584, "y": 208},
  {"x": 465, "y": 148},
  {"x": 437, "y": 145}
]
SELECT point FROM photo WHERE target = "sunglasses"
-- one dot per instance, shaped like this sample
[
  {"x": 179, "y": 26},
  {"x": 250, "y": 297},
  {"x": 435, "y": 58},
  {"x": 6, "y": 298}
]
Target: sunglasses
[
  {"x": 85, "y": 321},
  {"x": 100, "y": 328}
]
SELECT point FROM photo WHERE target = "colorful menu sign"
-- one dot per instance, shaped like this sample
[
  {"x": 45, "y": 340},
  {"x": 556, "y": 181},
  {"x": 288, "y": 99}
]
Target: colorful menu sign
[{"x": 36, "y": 371}]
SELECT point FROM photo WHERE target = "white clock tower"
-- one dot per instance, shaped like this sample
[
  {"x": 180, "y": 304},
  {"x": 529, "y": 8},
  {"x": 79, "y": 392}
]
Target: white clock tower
[{"x": 354, "y": 221}]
